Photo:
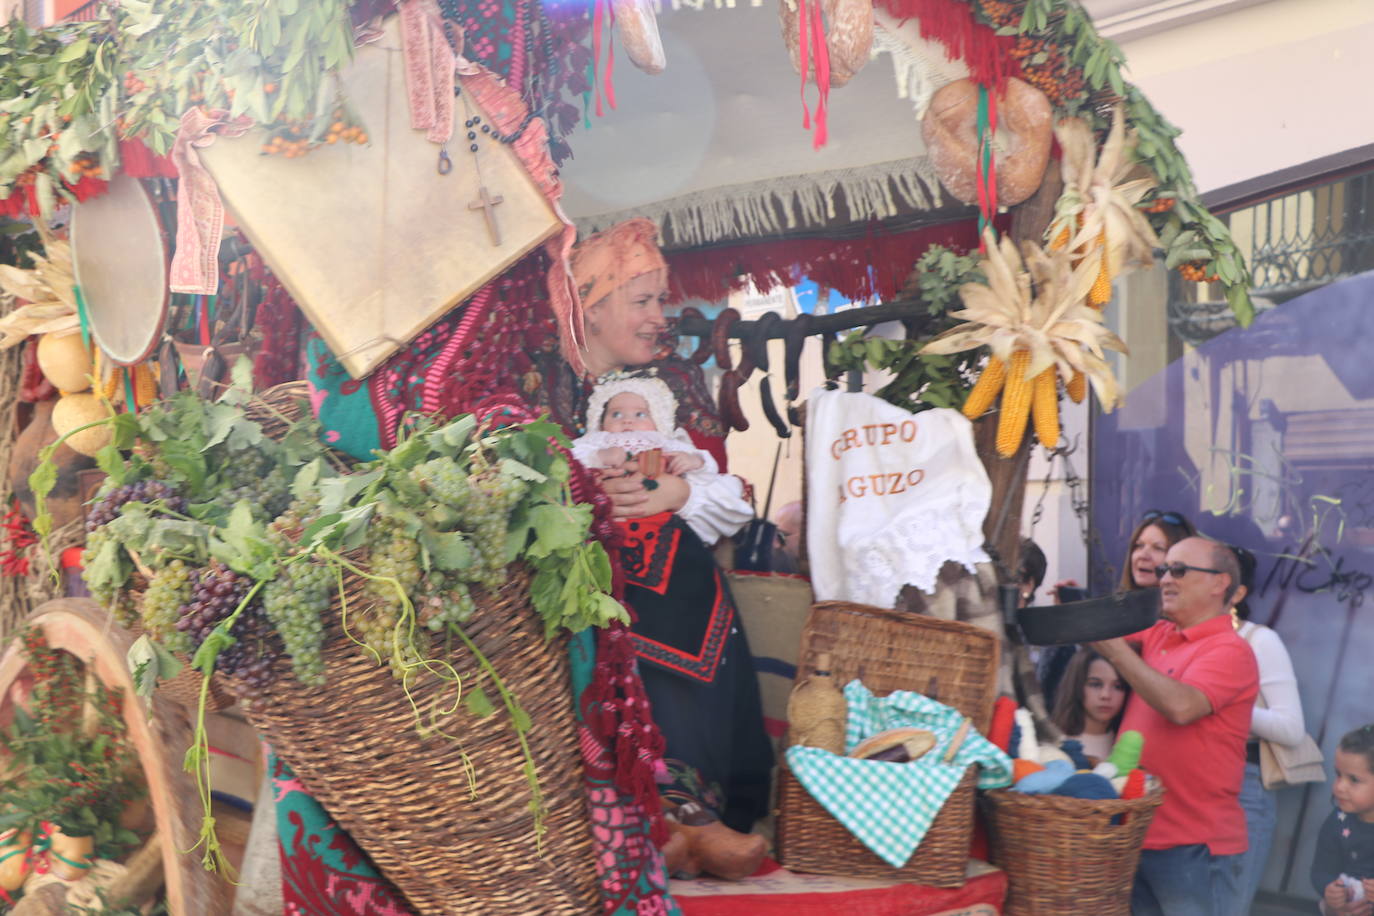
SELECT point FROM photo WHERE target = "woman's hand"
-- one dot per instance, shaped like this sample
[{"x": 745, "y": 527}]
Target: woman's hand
[
  {"x": 1054, "y": 592},
  {"x": 631, "y": 499}
]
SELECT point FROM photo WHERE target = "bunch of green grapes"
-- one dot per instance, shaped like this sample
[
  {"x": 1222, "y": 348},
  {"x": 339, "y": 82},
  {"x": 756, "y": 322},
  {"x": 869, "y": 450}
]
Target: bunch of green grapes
[
  {"x": 296, "y": 602},
  {"x": 486, "y": 517},
  {"x": 443, "y": 598},
  {"x": 446, "y": 481},
  {"x": 168, "y": 591},
  {"x": 253, "y": 475}
]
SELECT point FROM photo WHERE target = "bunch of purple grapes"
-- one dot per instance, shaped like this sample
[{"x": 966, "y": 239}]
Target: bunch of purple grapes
[
  {"x": 216, "y": 593},
  {"x": 143, "y": 491}
]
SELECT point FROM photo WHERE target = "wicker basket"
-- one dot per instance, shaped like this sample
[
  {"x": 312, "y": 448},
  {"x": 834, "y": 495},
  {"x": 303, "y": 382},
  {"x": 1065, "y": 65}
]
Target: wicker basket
[
  {"x": 405, "y": 799},
  {"x": 1065, "y": 856},
  {"x": 891, "y": 650}
]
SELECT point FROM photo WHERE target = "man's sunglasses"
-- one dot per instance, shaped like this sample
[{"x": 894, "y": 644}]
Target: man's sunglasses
[
  {"x": 1173, "y": 518},
  {"x": 1178, "y": 570}
]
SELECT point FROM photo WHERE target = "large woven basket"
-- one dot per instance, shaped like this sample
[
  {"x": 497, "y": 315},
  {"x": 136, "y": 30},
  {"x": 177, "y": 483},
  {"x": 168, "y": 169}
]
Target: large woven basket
[
  {"x": 952, "y": 662},
  {"x": 405, "y": 799},
  {"x": 1065, "y": 856}
]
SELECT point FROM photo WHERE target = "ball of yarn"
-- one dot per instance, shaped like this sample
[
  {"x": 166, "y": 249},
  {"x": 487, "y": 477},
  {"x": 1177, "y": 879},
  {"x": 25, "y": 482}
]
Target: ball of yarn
[
  {"x": 1074, "y": 749},
  {"x": 1021, "y": 768},
  {"x": 1043, "y": 782},
  {"x": 1126, "y": 753},
  {"x": 1135, "y": 784},
  {"x": 1049, "y": 753},
  {"x": 1085, "y": 785},
  {"x": 1106, "y": 769}
]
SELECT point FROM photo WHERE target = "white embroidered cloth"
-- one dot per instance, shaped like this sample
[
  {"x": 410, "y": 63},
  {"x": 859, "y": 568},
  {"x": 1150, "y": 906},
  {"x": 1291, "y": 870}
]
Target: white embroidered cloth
[{"x": 891, "y": 496}]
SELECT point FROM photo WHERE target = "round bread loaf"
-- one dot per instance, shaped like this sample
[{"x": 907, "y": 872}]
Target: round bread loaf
[
  {"x": 848, "y": 36},
  {"x": 1021, "y": 146}
]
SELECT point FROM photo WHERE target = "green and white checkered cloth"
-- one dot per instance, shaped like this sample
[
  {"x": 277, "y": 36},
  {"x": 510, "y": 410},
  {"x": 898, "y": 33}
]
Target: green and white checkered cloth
[{"x": 890, "y": 806}]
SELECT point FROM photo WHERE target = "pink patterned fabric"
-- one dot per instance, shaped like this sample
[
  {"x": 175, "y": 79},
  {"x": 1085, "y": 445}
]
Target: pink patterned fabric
[
  {"x": 429, "y": 68},
  {"x": 506, "y": 111},
  {"x": 200, "y": 212}
]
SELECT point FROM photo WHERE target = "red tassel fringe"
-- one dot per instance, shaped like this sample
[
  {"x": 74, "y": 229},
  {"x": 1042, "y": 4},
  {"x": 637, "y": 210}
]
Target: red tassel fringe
[
  {"x": 951, "y": 22},
  {"x": 868, "y": 269}
]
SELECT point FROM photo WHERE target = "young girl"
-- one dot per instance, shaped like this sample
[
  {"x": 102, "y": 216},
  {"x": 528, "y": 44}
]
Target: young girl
[
  {"x": 1343, "y": 864},
  {"x": 1091, "y": 700}
]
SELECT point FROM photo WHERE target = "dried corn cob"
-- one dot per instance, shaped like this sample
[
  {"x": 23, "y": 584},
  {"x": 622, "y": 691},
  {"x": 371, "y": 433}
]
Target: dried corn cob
[
  {"x": 1101, "y": 293},
  {"x": 145, "y": 386},
  {"x": 1076, "y": 387},
  {"x": 1045, "y": 407},
  {"x": 1016, "y": 401},
  {"x": 110, "y": 387},
  {"x": 986, "y": 388}
]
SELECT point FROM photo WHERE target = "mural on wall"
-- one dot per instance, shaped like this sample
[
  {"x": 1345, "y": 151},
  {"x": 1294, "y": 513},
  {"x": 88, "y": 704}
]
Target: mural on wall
[{"x": 1264, "y": 436}]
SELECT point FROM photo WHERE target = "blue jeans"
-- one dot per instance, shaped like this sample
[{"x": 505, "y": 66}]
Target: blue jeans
[
  {"x": 1260, "y": 817},
  {"x": 1185, "y": 881}
]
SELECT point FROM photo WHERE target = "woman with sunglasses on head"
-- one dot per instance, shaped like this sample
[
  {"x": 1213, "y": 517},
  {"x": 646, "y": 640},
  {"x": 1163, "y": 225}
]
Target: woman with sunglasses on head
[{"x": 1156, "y": 532}]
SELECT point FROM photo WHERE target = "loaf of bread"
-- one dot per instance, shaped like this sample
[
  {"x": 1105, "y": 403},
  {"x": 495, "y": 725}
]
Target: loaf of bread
[
  {"x": 1021, "y": 144},
  {"x": 848, "y": 26},
  {"x": 638, "y": 28},
  {"x": 896, "y": 745}
]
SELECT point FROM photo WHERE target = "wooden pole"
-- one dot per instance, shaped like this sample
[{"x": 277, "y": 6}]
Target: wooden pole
[{"x": 1002, "y": 527}]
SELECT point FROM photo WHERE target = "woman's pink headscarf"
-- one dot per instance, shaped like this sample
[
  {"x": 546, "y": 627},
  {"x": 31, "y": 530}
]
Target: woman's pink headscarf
[{"x": 599, "y": 265}]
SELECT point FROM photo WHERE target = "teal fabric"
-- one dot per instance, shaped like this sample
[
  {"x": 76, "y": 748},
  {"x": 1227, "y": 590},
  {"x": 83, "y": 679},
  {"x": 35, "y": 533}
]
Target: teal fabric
[{"x": 889, "y": 807}]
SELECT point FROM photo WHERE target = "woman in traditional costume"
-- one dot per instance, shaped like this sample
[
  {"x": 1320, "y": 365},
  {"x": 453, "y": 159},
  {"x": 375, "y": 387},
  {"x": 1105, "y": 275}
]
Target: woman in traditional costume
[{"x": 690, "y": 642}]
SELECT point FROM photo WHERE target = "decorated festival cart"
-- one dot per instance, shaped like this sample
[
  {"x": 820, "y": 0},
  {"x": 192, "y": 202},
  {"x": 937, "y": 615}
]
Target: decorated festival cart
[{"x": 296, "y": 340}]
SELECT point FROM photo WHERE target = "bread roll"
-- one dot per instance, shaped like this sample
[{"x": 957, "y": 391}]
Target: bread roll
[
  {"x": 896, "y": 745},
  {"x": 638, "y": 29},
  {"x": 848, "y": 36},
  {"x": 1021, "y": 145}
]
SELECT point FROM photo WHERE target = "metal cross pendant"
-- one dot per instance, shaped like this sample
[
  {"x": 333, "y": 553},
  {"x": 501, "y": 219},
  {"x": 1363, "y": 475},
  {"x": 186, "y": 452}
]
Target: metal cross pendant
[{"x": 487, "y": 204}]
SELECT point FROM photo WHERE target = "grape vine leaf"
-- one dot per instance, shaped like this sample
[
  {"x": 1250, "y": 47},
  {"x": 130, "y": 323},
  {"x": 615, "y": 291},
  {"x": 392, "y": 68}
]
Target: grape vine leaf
[
  {"x": 150, "y": 662},
  {"x": 109, "y": 460},
  {"x": 509, "y": 467},
  {"x": 455, "y": 435},
  {"x": 449, "y": 550},
  {"x": 558, "y": 528},
  {"x": 337, "y": 492},
  {"x": 107, "y": 570},
  {"x": 242, "y": 544},
  {"x": 307, "y": 479},
  {"x": 477, "y": 702}
]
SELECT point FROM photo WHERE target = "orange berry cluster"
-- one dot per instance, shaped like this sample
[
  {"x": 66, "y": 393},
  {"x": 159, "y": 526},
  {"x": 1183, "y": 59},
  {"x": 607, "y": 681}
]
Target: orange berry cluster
[
  {"x": 86, "y": 166},
  {"x": 132, "y": 84},
  {"x": 999, "y": 12},
  {"x": 1196, "y": 272},
  {"x": 1159, "y": 205},
  {"x": 1053, "y": 76},
  {"x": 293, "y": 140}
]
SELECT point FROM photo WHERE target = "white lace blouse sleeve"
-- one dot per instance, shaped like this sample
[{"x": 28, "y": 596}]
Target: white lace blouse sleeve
[
  {"x": 584, "y": 448},
  {"x": 715, "y": 508},
  {"x": 1282, "y": 722}
]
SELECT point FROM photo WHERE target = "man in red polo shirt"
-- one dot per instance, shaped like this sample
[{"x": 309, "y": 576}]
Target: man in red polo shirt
[{"x": 1195, "y": 682}]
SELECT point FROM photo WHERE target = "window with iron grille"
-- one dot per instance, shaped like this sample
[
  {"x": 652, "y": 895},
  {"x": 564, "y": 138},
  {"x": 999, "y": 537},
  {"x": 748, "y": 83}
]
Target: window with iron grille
[{"x": 1294, "y": 243}]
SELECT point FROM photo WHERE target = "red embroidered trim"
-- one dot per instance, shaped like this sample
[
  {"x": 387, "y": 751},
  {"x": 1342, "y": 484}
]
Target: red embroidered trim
[
  {"x": 706, "y": 662},
  {"x": 649, "y": 551}
]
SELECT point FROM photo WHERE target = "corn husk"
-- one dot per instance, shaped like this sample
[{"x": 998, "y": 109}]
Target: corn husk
[
  {"x": 47, "y": 291},
  {"x": 1037, "y": 303},
  {"x": 1098, "y": 208}
]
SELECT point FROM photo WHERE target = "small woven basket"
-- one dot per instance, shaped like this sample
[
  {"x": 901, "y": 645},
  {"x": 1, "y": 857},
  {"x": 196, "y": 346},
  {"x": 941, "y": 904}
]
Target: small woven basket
[
  {"x": 952, "y": 662},
  {"x": 405, "y": 799},
  {"x": 1066, "y": 856}
]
